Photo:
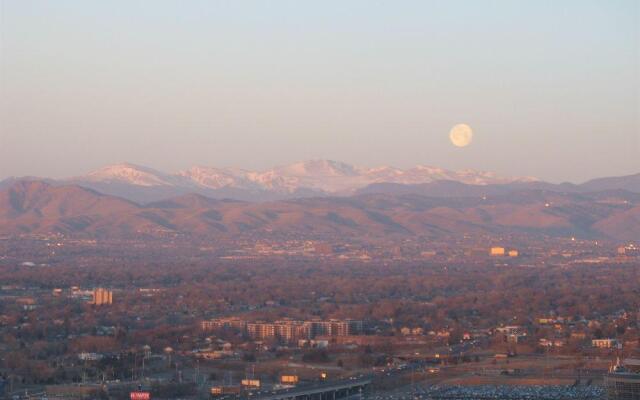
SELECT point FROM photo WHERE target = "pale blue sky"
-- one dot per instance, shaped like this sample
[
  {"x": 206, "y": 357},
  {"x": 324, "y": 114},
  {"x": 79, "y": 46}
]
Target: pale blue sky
[{"x": 551, "y": 88}]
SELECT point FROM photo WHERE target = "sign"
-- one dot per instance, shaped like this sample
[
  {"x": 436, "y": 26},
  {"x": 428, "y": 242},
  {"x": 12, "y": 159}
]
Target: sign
[
  {"x": 289, "y": 379},
  {"x": 251, "y": 382},
  {"x": 220, "y": 390},
  {"x": 140, "y": 395},
  {"x": 216, "y": 390}
]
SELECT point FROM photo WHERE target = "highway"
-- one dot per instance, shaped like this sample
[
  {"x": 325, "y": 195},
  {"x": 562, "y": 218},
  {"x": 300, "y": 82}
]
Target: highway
[{"x": 329, "y": 390}]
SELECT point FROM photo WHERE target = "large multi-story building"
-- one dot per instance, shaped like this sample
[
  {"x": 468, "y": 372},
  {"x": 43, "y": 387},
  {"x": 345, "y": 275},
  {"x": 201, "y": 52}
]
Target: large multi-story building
[
  {"x": 261, "y": 330},
  {"x": 284, "y": 331},
  {"x": 623, "y": 382},
  {"x": 291, "y": 331},
  {"x": 287, "y": 331},
  {"x": 224, "y": 323},
  {"x": 334, "y": 327},
  {"x": 102, "y": 296}
]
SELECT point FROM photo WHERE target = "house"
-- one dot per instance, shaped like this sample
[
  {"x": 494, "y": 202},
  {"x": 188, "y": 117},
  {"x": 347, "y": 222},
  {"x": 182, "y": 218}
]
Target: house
[
  {"x": 604, "y": 343},
  {"x": 516, "y": 338},
  {"x": 552, "y": 342},
  {"x": 578, "y": 335},
  {"x": 510, "y": 330}
]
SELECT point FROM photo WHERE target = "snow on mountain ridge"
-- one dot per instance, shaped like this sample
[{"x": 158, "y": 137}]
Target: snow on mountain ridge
[
  {"x": 325, "y": 168},
  {"x": 330, "y": 177},
  {"x": 215, "y": 178},
  {"x": 131, "y": 174}
]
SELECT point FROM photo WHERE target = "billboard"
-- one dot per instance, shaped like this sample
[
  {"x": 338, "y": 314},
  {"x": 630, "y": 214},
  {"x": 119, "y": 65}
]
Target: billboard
[
  {"x": 251, "y": 382},
  {"x": 289, "y": 379}
]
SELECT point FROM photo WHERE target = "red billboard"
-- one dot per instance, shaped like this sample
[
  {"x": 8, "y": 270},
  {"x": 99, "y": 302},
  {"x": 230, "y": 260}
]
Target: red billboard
[{"x": 140, "y": 395}]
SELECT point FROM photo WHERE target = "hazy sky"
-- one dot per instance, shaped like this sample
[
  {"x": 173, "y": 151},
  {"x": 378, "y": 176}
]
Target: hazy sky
[{"x": 551, "y": 88}]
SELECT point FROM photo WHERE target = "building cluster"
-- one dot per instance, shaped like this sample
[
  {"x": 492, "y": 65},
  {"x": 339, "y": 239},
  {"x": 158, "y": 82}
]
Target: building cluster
[
  {"x": 512, "y": 333},
  {"x": 501, "y": 251},
  {"x": 286, "y": 331},
  {"x": 629, "y": 250},
  {"x": 555, "y": 331}
]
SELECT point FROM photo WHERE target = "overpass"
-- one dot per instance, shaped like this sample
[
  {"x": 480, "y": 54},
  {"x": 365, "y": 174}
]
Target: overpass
[{"x": 331, "y": 390}]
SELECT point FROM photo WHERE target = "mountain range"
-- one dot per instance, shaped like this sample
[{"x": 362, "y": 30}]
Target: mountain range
[
  {"x": 317, "y": 198},
  {"x": 32, "y": 206},
  {"x": 313, "y": 179}
]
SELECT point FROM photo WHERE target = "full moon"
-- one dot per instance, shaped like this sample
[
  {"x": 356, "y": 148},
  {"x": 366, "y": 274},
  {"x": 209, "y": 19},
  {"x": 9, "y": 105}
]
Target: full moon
[{"x": 461, "y": 135}]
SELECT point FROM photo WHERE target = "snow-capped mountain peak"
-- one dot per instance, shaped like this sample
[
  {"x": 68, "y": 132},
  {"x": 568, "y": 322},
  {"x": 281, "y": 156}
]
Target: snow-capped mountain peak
[
  {"x": 314, "y": 177},
  {"x": 317, "y": 168},
  {"x": 130, "y": 174},
  {"x": 215, "y": 178}
]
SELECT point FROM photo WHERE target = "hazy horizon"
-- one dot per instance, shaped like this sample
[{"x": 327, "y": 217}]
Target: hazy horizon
[
  {"x": 81, "y": 174},
  {"x": 551, "y": 90}
]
